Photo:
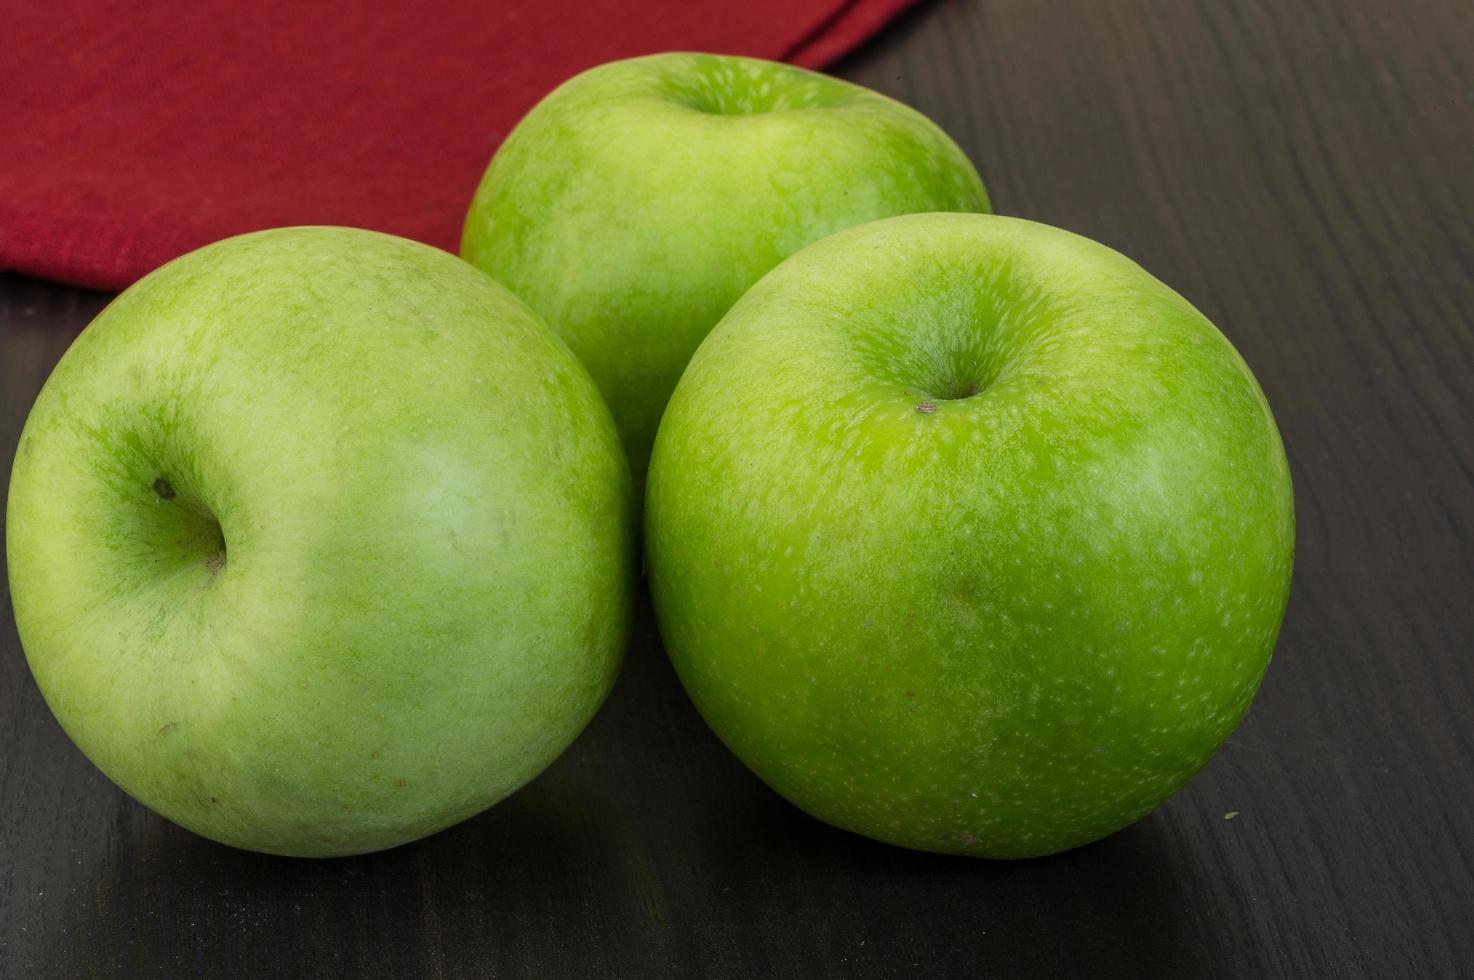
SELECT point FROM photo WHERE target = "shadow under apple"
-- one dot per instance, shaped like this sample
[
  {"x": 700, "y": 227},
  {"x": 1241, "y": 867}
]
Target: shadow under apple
[{"x": 1118, "y": 907}]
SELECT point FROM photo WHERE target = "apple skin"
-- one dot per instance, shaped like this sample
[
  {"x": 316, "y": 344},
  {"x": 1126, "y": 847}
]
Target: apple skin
[
  {"x": 1001, "y": 624},
  {"x": 320, "y": 541},
  {"x": 639, "y": 200}
]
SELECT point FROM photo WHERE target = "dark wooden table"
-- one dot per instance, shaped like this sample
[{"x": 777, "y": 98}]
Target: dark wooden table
[{"x": 1304, "y": 173}]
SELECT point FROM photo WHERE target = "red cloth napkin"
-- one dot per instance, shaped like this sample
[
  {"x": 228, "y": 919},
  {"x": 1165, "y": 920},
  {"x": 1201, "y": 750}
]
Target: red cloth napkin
[{"x": 132, "y": 132}]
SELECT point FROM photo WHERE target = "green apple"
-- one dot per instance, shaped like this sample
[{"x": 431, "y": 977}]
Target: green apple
[
  {"x": 636, "y": 203},
  {"x": 320, "y": 541},
  {"x": 967, "y": 534}
]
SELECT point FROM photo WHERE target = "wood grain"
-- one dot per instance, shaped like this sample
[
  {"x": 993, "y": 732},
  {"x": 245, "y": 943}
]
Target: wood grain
[{"x": 1303, "y": 173}]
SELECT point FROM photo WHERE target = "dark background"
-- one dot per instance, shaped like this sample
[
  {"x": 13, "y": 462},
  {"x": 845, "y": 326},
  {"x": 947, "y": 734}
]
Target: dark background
[{"x": 1304, "y": 173}]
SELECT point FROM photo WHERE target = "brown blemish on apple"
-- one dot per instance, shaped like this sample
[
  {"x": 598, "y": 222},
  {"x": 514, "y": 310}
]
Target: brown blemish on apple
[
  {"x": 166, "y": 729},
  {"x": 164, "y": 489},
  {"x": 401, "y": 783},
  {"x": 926, "y": 408}
]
